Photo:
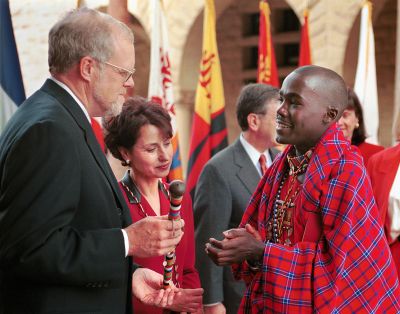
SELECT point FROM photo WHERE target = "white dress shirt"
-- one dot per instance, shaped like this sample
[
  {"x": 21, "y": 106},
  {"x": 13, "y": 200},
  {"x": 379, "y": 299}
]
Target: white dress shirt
[{"x": 254, "y": 154}]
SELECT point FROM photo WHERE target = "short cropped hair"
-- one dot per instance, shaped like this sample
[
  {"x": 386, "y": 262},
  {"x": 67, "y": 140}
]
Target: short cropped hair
[
  {"x": 123, "y": 130},
  {"x": 83, "y": 32},
  {"x": 253, "y": 99}
]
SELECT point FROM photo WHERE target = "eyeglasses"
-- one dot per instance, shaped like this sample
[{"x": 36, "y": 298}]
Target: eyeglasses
[{"x": 124, "y": 72}]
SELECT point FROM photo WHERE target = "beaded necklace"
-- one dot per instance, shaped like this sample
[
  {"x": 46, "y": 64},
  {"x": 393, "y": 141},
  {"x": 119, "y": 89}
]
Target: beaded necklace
[{"x": 282, "y": 211}]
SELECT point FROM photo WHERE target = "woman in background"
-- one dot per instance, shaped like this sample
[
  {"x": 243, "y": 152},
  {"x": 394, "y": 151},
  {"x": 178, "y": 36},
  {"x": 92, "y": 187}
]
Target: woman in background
[
  {"x": 352, "y": 125},
  {"x": 140, "y": 136}
]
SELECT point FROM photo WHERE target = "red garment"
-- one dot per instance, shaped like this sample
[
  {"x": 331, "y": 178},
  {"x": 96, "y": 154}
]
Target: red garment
[
  {"x": 347, "y": 267},
  {"x": 382, "y": 169},
  {"x": 285, "y": 224},
  {"x": 98, "y": 132},
  {"x": 367, "y": 150},
  {"x": 185, "y": 251}
]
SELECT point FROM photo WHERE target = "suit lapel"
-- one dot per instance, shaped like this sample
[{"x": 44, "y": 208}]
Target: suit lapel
[
  {"x": 66, "y": 100},
  {"x": 247, "y": 172}
]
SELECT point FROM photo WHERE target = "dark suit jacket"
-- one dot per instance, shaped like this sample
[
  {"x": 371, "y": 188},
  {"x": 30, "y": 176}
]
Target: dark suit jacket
[
  {"x": 61, "y": 214},
  {"x": 223, "y": 190}
]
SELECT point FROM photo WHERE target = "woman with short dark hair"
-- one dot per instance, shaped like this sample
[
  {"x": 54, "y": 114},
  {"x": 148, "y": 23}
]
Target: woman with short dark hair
[{"x": 140, "y": 136}]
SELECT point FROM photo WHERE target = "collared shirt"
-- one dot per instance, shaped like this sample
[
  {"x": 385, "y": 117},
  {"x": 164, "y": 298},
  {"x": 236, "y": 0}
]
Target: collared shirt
[
  {"x": 69, "y": 91},
  {"x": 254, "y": 154}
]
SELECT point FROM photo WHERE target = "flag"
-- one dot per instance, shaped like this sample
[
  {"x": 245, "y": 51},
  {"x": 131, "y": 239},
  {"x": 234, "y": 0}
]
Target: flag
[
  {"x": 160, "y": 83},
  {"x": 267, "y": 71},
  {"x": 209, "y": 133},
  {"x": 12, "y": 92},
  {"x": 305, "y": 50},
  {"x": 365, "y": 82}
]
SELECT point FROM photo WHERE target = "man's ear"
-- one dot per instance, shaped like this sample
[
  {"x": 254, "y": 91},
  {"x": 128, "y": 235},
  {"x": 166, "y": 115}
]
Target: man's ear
[
  {"x": 330, "y": 115},
  {"x": 252, "y": 121},
  {"x": 86, "y": 67}
]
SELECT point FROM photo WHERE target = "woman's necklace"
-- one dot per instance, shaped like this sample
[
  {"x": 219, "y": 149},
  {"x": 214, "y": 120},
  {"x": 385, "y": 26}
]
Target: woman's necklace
[{"x": 135, "y": 198}]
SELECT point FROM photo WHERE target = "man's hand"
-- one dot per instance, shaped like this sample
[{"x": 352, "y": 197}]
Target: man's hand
[
  {"x": 154, "y": 236},
  {"x": 187, "y": 300},
  {"x": 218, "y": 308},
  {"x": 147, "y": 287},
  {"x": 239, "y": 244}
]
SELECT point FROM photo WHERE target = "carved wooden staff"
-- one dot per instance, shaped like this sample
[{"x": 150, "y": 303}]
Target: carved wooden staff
[{"x": 176, "y": 190}]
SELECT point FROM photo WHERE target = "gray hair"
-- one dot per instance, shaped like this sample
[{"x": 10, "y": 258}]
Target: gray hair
[
  {"x": 254, "y": 98},
  {"x": 83, "y": 32}
]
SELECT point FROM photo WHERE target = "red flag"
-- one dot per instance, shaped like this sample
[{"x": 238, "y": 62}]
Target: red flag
[
  {"x": 209, "y": 129},
  {"x": 305, "y": 51},
  {"x": 267, "y": 70}
]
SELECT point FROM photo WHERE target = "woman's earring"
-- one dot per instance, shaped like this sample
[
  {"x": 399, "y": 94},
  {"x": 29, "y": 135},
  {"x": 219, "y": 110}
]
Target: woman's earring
[
  {"x": 357, "y": 126},
  {"x": 126, "y": 163}
]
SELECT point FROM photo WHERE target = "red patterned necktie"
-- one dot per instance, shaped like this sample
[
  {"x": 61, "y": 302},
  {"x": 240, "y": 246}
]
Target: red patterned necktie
[{"x": 263, "y": 163}]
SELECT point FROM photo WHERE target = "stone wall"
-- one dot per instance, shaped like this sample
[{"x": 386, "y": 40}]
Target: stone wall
[{"x": 331, "y": 24}]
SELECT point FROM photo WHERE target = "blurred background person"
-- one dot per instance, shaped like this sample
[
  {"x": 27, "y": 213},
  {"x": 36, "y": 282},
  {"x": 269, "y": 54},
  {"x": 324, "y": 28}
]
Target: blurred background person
[
  {"x": 384, "y": 172},
  {"x": 225, "y": 186},
  {"x": 140, "y": 137},
  {"x": 352, "y": 125}
]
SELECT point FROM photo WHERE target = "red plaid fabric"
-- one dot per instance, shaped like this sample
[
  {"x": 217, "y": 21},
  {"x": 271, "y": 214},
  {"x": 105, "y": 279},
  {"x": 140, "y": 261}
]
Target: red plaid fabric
[{"x": 350, "y": 270}]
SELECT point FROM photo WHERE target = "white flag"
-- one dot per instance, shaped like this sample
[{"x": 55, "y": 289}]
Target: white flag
[
  {"x": 365, "y": 82},
  {"x": 160, "y": 83}
]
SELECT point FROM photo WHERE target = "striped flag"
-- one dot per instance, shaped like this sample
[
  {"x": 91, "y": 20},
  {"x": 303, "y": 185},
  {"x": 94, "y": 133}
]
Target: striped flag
[
  {"x": 267, "y": 70},
  {"x": 365, "y": 82},
  {"x": 12, "y": 92},
  {"x": 209, "y": 133},
  {"x": 160, "y": 84},
  {"x": 305, "y": 50}
]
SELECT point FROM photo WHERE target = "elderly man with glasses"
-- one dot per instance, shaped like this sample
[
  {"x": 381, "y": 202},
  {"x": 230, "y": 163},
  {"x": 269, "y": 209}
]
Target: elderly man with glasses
[{"x": 67, "y": 239}]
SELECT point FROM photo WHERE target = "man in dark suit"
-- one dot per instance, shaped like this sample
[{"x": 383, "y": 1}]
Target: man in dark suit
[
  {"x": 66, "y": 236},
  {"x": 225, "y": 186}
]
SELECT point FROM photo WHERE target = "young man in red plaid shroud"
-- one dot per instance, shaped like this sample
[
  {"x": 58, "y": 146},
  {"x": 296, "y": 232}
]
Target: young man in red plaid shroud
[{"x": 311, "y": 239}]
